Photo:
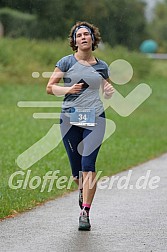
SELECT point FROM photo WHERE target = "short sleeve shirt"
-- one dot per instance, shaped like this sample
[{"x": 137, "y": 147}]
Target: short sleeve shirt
[{"x": 92, "y": 77}]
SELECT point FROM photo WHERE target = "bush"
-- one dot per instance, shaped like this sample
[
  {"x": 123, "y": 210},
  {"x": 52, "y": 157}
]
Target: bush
[
  {"x": 20, "y": 56},
  {"x": 16, "y": 23},
  {"x": 140, "y": 63}
]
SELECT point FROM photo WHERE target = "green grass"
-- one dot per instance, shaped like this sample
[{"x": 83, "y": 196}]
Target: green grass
[{"x": 138, "y": 137}]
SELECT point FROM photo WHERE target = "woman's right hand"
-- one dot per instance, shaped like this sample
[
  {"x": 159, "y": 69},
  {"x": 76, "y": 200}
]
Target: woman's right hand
[
  {"x": 55, "y": 89},
  {"x": 76, "y": 88}
]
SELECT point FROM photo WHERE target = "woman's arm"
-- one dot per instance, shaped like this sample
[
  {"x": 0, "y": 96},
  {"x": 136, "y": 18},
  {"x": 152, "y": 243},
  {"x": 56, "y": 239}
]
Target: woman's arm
[
  {"x": 107, "y": 89},
  {"x": 54, "y": 89}
]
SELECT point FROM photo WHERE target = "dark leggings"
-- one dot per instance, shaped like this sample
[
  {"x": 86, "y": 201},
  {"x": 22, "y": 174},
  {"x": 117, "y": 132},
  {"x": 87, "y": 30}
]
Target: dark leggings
[{"x": 82, "y": 143}]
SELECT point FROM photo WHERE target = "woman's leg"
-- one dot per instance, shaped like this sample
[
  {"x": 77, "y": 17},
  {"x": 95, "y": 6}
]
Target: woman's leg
[
  {"x": 92, "y": 139},
  {"x": 72, "y": 136},
  {"x": 92, "y": 143},
  {"x": 89, "y": 187}
]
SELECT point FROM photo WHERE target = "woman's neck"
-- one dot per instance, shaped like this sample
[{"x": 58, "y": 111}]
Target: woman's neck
[
  {"x": 85, "y": 57},
  {"x": 82, "y": 55}
]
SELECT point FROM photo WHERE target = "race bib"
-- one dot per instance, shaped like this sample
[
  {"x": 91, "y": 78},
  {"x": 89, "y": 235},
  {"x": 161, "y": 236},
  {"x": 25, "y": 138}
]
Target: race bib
[{"x": 83, "y": 117}]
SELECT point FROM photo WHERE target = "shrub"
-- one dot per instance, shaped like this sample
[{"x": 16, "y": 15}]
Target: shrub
[
  {"x": 16, "y": 23},
  {"x": 140, "y": 63}
]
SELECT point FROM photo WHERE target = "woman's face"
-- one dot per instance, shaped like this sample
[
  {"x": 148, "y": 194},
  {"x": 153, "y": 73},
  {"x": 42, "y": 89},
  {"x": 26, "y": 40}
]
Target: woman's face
[{"x": 83, "y": 39}]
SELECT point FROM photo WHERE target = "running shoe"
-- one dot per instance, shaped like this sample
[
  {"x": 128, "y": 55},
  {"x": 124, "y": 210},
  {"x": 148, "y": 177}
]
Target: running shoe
[{"x": 84, "y": 223}]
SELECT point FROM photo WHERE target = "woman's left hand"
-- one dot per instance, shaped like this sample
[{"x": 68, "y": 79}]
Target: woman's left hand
[{"x": 108, "y": 89}]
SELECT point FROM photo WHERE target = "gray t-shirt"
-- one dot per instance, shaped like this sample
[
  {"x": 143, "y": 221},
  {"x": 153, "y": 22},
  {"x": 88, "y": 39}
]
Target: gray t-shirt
[{"x": 92, "y": 77}]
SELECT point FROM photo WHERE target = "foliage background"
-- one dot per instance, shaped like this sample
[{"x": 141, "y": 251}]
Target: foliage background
[{"x": 121, "y": 22}]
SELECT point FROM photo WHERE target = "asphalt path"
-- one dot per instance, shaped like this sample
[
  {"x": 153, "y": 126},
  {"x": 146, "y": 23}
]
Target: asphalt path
[{"x": 128, "y": 214}]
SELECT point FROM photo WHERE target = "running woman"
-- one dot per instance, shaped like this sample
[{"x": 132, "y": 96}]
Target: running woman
[{"x": 82, "y": 120}]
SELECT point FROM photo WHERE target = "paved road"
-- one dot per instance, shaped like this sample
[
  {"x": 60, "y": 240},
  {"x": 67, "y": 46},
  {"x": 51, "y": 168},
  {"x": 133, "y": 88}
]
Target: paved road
[{"x": 124, "y": 220}]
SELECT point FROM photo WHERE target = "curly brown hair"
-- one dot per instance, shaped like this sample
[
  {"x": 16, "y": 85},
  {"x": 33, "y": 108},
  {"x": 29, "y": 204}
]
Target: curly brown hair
[{"x": 94, "y": 30}]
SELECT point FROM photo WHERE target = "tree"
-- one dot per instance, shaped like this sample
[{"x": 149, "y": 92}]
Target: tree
[
  {"x": 157, "y": 29},
  {"x": 23, "y": 5},
  {"x": 121, "y": 22}
]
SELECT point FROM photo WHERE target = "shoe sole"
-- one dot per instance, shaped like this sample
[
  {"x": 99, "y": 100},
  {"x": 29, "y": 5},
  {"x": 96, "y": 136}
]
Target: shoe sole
[{"x": 84, "y": 229}]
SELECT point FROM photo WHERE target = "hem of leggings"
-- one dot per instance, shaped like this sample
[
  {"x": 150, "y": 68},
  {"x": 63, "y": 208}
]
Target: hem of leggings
[{"x": 88, "y": 169}]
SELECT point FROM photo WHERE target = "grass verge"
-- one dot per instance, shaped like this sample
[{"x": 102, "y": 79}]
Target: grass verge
[{"x": 138, "y": 137}]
